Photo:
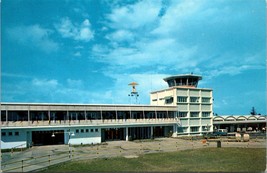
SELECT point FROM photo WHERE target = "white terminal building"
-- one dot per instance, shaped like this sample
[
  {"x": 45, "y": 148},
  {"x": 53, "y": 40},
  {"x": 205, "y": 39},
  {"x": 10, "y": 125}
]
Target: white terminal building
[{"x": 180, "y": 109}]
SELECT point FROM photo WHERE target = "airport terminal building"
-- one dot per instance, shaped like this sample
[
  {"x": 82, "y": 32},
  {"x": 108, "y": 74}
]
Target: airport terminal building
[{"x": 180, "y": 109}]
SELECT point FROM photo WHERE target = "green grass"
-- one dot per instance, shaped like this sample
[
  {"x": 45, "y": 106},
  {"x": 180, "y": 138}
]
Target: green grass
[{"x": 198, "y": 160}]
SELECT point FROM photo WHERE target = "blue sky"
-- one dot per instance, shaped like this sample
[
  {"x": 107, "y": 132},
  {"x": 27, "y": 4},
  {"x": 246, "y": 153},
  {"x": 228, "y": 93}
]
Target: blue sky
[{"x": 87, "y": 51}]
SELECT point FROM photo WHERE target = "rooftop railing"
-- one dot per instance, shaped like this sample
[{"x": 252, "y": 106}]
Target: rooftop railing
[{"x": 86, "y": 122}]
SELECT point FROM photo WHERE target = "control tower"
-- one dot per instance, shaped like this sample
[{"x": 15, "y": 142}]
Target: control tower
[
  {"x": 186, "y": 80},
  {"x": 192, "y": 103}
]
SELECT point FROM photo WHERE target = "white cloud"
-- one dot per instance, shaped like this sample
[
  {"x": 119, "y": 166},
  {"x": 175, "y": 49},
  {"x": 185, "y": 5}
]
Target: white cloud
[
  {"x": 120, "y": 36},
  {"x": 72, "y": 83},
  {"x": 80, "y": 32},
  {"x": 33, "y": 36},
  {"x": 168, "y": 44},
  {"x": 132, "y": 43},
  {"x": 231, "y": 64},
  {"x": 77, "y": 54},
  {"x": 11, "y": 75},
  {"x": 45, "y": 83},
  {"x": 146, "y": 83},
  {"x": 134, "y": 16},
  {"x": 176, "y": 15}
]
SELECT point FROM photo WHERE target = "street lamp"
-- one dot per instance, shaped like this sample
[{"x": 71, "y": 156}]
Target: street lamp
[
  {"x": 134, "y": 93},
  {"x": 70, "y": 134}
]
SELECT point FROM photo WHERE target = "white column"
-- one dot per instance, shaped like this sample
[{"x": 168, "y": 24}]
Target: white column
[
  {"x": 151, "y": 132},
  {"x": 28, "y": 115},
  {"x": 126, "y": 133},
  {"x": 116, "y": 113},
  {"x": 174, "y": 134}
]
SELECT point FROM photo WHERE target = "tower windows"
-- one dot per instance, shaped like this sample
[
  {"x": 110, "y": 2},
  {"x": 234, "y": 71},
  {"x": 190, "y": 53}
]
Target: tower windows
[
  {"x": 182, "y": 114},
  {"x": 194, "y": 114},
  {"x": 205, "y": 100},
  {"x": 194, "y": 99},
  {"x": 181, "y": 99},
  {"x": 205, "y": 114}
]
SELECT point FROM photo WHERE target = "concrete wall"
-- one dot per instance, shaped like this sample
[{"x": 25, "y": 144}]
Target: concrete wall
[
  {"x": 93, "y": 136},
  {"x": 15, "y": 140}
]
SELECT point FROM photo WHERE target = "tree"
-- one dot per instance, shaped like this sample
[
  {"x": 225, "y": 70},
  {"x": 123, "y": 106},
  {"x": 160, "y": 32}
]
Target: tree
[{"x": 253, "y": 111}]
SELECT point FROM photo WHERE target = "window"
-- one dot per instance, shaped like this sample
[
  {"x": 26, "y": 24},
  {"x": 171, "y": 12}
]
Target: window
[
  {"x": 154, "y": 100},
  {"x": 194, "y": 99},
  {"x": 205, "y": 100},
  {"x": 182, "y": 114},
  {"x": 185, "y": 129},
  {"x": 82, "y": 131},
  {"x": 77, "y": 130},
  {"x": 194, "y": 114},
  {"x": 181, "y": 99},
  {"x": 205, "y": 114},
  {"x": 87, "y": 130},
  {"x": 16, "y": 133},
  {"x": 3, "y": 133},
  {"x": 205, "y": 128},
  {"x": 168, "y": 100},
  {"x": 9, "y": 133},
  {"x": 96, "y": 130},
  {"x": 92, "y": 130},
  {"x": 194, "y": 129}
]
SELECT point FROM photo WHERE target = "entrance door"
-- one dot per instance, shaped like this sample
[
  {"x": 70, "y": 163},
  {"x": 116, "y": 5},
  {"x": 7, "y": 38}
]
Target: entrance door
[
  {"x": 47, "y": 137},
  {"x": 114, "y": 134}
]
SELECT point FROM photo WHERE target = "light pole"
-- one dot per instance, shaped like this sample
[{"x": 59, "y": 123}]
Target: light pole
[
  {"x": 69, "y": 145},
  {"x": 134, "y": 93}
]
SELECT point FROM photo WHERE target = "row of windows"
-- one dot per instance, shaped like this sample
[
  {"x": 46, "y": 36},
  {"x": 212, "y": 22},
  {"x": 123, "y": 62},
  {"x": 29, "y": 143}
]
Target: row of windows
[
  {"x": 194, "y": 114},
  {"x": 196, "y": 129},
  {"x": 70, "y": 116},
  {"x": 10, "y": 133},
  {"x": 86, "y": 130},
  {"x": 182, "y": 99}
]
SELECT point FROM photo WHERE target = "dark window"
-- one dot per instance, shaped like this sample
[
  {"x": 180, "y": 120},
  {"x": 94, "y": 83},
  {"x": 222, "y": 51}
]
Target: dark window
[
  {"x": 194, "y": 114},
  {"x": 87, "y": 130},
  {"x": 77, "y": 130},
  {"x": 169, "y": 100},
  {"x": 194, "y": 129},
  {"x": 205, "y": 114},
  {"x": 82, "y": 130},
  {"x": 3, "y": 133},
  {"x": 182, "y": 114},
  {"x": 3, "y": 115},
  {"x": 194, "y": 99},
  {"x": 16, "y": 133},
  {"x": 9, "y": 133},
  {"x": 205, "y": 100},
  {"x": 181, "y": 99},
  {"x": 96, "y": 130},
  {"x": 92, "y": 130}
]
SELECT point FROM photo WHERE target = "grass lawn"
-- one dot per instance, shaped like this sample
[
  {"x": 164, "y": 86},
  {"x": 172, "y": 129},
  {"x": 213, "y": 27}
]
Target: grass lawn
[{"x": 197, "y": 160}]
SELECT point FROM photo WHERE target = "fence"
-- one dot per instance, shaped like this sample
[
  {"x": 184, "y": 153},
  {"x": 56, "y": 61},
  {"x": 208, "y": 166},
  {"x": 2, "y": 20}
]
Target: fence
[
  {"x": 34, "y": 163},
  {"x": 64, "y": 153}
]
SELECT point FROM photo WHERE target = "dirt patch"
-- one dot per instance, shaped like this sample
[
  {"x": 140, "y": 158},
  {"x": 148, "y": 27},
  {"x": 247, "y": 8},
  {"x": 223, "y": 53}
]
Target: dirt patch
[{"x": 131, "y": 156}]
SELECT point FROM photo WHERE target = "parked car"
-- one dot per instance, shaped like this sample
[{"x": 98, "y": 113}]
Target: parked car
[{"x": 220, "y": 132}]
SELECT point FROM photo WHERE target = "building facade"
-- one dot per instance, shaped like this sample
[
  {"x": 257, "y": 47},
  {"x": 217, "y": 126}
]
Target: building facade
[
  {"x": 240, "y": 123},
  {"x": 181, "y": 109},
  {"x": 194, "y": 105}
]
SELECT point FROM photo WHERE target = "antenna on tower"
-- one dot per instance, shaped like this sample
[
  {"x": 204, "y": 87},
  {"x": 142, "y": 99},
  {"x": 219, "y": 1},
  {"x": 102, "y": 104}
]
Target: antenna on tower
[{"x": 134, "y": 93}]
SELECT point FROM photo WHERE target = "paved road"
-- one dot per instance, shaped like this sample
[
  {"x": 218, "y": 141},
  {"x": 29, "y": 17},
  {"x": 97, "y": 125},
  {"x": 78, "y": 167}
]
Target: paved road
[{"x": 49, "y": 155}]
